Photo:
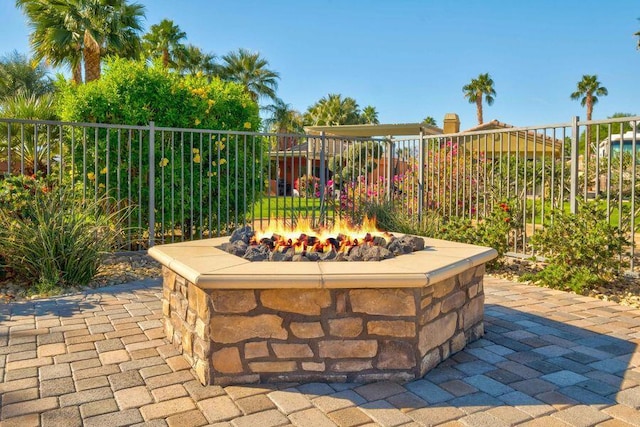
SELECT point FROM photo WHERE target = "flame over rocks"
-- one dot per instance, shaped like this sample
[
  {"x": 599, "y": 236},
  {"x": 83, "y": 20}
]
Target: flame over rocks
[{"x": 341, "y": 238}]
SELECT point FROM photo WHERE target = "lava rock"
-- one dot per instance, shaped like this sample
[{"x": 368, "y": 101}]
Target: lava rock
[
  {"x": 357, "y": 253},
  {"x": 257, "y": 253},
  {"x": 379, "y": 241},
  {"x": 313, "y": 256},
  {"x": 281, "y": 256},
  {"x": 417, "y": 243},
  {"x": 376, "y": 253},
  {"x": 243, "y": 233},
  {"x": 341, "y": 256},
  {"x": 400, "y": 247},
  {"x": 238, "y": 248},
  {"x": 328, "y": 256},
  {"x": 299, "y": 257}
]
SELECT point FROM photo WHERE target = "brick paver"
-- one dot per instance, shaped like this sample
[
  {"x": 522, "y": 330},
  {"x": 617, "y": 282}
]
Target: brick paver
[{"x": 99, "y": 358}]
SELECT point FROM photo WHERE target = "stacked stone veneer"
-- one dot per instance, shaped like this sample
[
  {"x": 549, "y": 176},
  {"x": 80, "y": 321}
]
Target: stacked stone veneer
[{"x": 263, "y": 335}]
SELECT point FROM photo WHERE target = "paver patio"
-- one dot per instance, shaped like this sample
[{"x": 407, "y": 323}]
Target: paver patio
[{"x": 100, "y": 359}]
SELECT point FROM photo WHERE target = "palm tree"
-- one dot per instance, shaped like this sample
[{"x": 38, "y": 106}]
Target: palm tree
[
  {"x": 429, "y": 121},
  {"x": 75, "y": 31},
  {"x": 333, "y": 110},
  {"x": 17, "y": 73},
  {"x": 191, "y": 60},
  {"x": 284, "y": 120},
  {"x": 587, "y": 91},
  {"x": 164, "y": 40},
  {"x": 369, "y": 115},
  {"x": 479, "y": 88},
  {"x": 250, "y": 70}
]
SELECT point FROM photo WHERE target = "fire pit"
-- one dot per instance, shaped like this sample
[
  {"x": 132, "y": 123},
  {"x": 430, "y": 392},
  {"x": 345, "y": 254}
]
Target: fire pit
[{"x": 238, "y": 321}]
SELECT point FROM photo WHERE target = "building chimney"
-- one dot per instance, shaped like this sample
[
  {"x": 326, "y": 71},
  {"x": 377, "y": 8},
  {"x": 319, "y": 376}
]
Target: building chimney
[{"x": 451, "y": 123}]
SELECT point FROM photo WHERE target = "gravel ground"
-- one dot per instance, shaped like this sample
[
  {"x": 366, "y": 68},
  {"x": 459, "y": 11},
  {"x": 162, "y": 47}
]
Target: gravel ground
[{"x": 127, "y": 267}]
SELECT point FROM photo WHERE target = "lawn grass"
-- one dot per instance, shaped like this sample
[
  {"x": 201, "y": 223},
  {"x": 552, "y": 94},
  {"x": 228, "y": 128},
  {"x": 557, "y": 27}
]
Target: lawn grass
[{"x": 288, "y": 207}]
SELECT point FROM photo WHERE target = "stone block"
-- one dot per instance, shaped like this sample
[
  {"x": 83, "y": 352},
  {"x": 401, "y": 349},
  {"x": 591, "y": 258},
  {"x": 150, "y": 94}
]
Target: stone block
[
  {"x": 392, "y": 328},
  {"x": 347, "y": 349},
  {"x": 169, "y": 278},
  {"x": 472, "y": 291},
  {"x": 437, "y": 332},
  {"x": 266, "y": 367},
  {"x": 458, "y": 342},
  {"x": 473, "y": 312},
  {"x": 292, "y": 351},
  {"x": 396, "y": 355},
  {"x": 233, "y": 301},
  {"x": 203, "y": 372},
  {"x": 302, "y": 301},
  {"x": 233, "y": 329},
  {"x": 201, "y": 348},
  {"x": 253, "y": 350},
  {"x": 444, "y": 287},
  {"x": 187, "y": 341},
  {"x": 307, "y": 329},
  {"x": 166, "y": 307},
  {"x": 201, "y": 328},
  {"x": 191, "y": 317},
  {"x": 453, "y": 301},
  {"x": 386, "y": 302},
  {"x": 430, "y": 361},
  {"x": 431, "y": 312},
  {"x": 349, "y": 327},
  {"x": 227, "y": 360},
  {"x": 351, "y": 365},
  {"x": 313, "y": 366},
  {"x": 192, "y": 296},
  {"x": 426, "y": 301},
  {"x": 204, "y": 305}
]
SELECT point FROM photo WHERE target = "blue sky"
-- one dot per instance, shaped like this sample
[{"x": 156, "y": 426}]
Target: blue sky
[{"x": 410, "y": 58}]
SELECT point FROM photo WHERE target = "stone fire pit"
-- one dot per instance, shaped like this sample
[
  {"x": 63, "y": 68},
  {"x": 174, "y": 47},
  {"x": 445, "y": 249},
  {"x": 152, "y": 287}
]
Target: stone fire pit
[{"x": 238, "y": 321}]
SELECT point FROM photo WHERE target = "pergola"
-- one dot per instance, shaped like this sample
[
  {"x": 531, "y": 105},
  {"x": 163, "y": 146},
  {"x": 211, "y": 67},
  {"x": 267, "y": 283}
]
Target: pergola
[{"x": 371, "y": 130}]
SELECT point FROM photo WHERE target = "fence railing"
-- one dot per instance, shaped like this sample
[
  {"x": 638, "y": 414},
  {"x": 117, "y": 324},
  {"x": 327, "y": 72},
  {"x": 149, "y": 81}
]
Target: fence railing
[{"x": 193, "y": 183}]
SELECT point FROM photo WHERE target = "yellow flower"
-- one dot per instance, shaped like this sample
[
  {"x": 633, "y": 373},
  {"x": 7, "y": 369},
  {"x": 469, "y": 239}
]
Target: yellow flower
[
  {"x": 224, "y": 138},
  {"x": 101, "y": 185},
  {"x": 91, "y": 176},
  {"x": 210, "y": 102},
  {"x": 104, "y": 171},
  {"x": 219, "y": 145},
  {"x": 196, "y": 150},
  {"x": 196, "y": 158},
  {"x": 199, "y": 74},
  {"x": 213, "y": 173},
  {"x": 223, "y": 161},
  {"x": 164, "y": 162},
  {"x": 247, "y": 125},
  {"x": 197, "y": 122},
  {"x": 213, "y": 163}
]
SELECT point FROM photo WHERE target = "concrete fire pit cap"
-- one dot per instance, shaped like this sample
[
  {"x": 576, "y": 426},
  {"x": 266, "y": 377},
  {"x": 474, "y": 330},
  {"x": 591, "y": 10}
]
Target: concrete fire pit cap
[{"x": 204, "y": 264}]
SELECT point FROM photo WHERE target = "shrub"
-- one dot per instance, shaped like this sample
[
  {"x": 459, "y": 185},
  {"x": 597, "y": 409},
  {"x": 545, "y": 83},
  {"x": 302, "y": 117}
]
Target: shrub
[
  {"x": 60, "y": 243},
  {"x": 17, "y": 192},
  {"x": 195, "y": 171},
  {"x": 582, "y": 249}
]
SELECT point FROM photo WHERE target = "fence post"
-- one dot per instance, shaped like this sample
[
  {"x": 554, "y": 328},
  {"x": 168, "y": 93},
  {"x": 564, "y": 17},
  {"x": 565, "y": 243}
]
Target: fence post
[
  {"x": 420, "y": 176},
  {"x": 573, "y": 193},
  {"x": 152, "y": 181},
  {"x": 389, "y": 168},
  {"x": 323, "y": 172}
]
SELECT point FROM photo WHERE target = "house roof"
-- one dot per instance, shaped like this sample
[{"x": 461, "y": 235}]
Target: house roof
[{"x": 369, "y": 130}]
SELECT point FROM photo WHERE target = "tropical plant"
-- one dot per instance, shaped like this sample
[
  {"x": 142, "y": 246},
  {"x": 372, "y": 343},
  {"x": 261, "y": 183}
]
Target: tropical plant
[
  {"x": 479, "y": 89},
  {"x": 333, "y": 110},
  {"x": 60, "y": 243},
  {"x": 587, "y": 92},
  {"x": 357, "y": 160},
  {"x": 30, "y": 142},
  {"x": 369, "y": 115},
  {"x": 164, "y": 40},
  {"x": 284, "y": 118},
  {"x": 192, "y": 60},
  {"x": 17, "y": 74},
  {"x": 250, "y": 70},
  {"x": 429, "y": 121},
  {"x": 74, "y": 31}
]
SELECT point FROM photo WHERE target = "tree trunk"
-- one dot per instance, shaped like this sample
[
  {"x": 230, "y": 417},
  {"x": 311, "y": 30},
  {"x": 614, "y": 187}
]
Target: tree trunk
[
  {"x": 76, "y": 70},
  {"x": 479, "y": 107},
  {"x": 587, "y": 137},
  {"x": 91, "y": 53},
  {"x": 165, "y": 58}
]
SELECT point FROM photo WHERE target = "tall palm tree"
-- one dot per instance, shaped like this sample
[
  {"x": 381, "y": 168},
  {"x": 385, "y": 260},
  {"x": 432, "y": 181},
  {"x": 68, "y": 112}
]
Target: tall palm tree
[
  {"x": 191, "y": 59},
  {"x": 17, "y": 73},
  {"x": 164, "y": 40},
  {"x": 478, "y": 89},
  {"x": 75, "y": 31},
  {"x": 588, "y": 91},
  {"x": 333, "y": 110},
  {"x": 284, "y": 120},
  {"x": 369, "y": 115},
  {"x": 250, "y": 70}
]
